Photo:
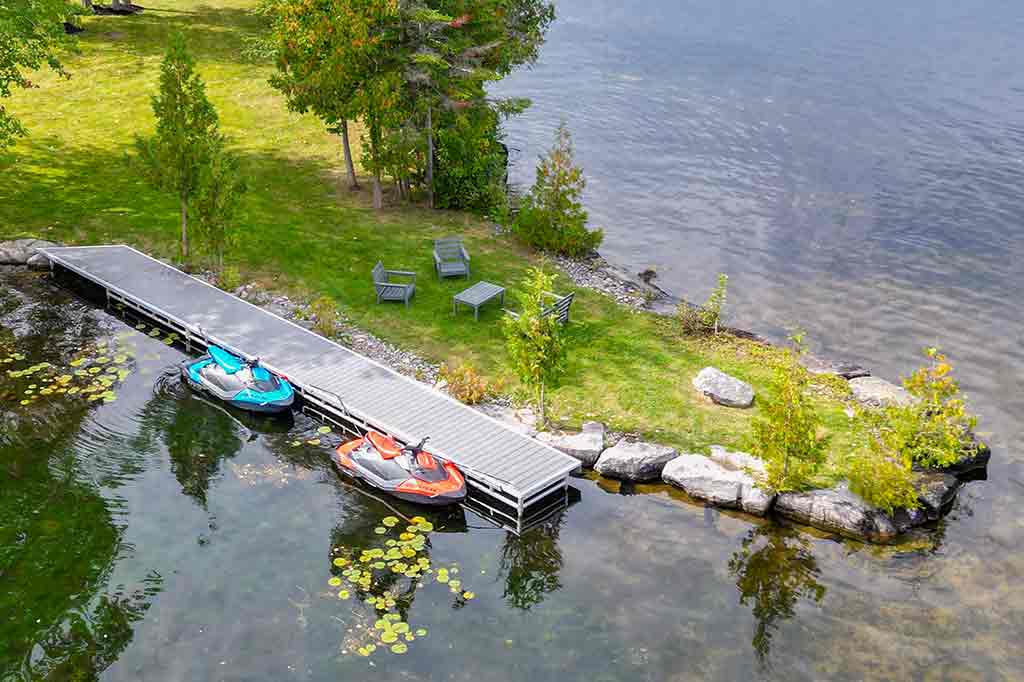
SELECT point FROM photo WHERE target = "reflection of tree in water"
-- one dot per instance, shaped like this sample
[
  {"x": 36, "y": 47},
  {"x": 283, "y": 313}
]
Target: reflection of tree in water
[
  {"x": 774, "y": 570},
  {"x": 531, "y": 563},
  {"x": 198, "y": 437}
]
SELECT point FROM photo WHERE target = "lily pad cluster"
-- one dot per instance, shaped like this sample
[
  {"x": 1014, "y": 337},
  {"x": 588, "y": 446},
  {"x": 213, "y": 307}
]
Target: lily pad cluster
[
  {"x": 322, "y": 431},
  {"x": 91, "y": 375},
  {"x": 381, "y": 577}
]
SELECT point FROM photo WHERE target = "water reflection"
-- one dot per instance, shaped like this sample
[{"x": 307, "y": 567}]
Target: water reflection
[
  {"x": 774, "y": 569},
  {"x": 531, "y": 563}
]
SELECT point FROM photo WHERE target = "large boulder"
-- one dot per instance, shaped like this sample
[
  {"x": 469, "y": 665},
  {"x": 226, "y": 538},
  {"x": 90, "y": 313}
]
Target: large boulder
[
  {"x": 878, "y": 392},
  {"x": 838, "y": 510},
  {"x": 20, "y": 251},
  {"x": 634, "y": 461},
  {"x": 723, "y": 389},
  {"x": 586, "y": 446},
  {"x": 707, "y": 479}
]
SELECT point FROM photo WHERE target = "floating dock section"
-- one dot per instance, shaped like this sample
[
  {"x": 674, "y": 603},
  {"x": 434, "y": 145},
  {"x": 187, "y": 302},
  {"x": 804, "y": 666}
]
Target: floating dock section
[{"x": 514, "y": 479}]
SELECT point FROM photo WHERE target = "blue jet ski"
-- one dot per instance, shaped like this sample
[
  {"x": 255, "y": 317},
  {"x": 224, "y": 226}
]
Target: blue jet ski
[{"x": 245, "y": 385}]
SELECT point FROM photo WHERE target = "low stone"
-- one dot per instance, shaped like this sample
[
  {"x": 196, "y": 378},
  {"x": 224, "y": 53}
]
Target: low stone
[
  {"x": 838, "y": 510},
  {"x": 878, "y": 392},
  {"x": 509, "y": 417},
  {"x": 737, "y": 461},
  {"x": 634, "y": 461},
  {"x": 724, "y": 389},
  {"x": 38, "y": 262},
  {"x": 720, "y": 485},
  {"x": 20, "y": 251},
  {"x": 586, "y": 446},
  {"x": 841, "y": 368},
  {"x": 936, "y": 491}
]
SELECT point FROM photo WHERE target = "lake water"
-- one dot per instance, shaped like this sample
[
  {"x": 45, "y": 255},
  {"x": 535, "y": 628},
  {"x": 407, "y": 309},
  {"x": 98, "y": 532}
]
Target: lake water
[{"x": 856, "y": 170}]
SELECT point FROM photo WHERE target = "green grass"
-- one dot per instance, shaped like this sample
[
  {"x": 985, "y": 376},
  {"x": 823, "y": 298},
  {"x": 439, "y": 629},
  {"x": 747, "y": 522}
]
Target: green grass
[{"x": 304, "y": 232}]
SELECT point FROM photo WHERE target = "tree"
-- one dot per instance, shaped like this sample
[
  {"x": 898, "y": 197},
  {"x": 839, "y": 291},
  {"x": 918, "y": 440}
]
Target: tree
[
  {"x": 786, "y": 437},
  {"x": 552, "y": 217},
  {"x": 186, "y": 131},
  {"x": 31, "y": 33},
  {"x": 219, "y": 190},
  {"x": 535, "y": 342}
]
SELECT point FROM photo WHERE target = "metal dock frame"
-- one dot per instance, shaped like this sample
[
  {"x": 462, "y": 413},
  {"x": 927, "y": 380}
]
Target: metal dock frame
[{"x": 501, "y": 487}]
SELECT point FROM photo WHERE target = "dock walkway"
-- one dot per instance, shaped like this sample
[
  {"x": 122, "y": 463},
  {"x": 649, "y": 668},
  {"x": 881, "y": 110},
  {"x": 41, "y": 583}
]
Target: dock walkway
[{"x": 507, "y": 472}]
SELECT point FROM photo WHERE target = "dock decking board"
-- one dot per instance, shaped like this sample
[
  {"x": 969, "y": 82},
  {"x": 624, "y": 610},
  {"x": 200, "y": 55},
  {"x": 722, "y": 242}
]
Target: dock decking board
[{"x": 494, "y": 457}]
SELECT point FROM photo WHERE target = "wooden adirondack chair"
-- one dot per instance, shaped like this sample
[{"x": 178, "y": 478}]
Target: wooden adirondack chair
[
  {"x": 560, "y": 308},
  {"x": 450, "y": 258},
  {"x": 393, "y": 291}
]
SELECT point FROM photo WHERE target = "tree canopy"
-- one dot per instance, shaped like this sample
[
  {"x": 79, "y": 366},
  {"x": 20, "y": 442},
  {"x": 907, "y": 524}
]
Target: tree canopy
[{"x": 31, "y": 33}]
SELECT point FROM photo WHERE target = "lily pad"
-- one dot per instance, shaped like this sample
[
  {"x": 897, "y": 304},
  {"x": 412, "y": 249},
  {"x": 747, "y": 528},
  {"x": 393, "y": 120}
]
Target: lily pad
[
  {"x": 390, "y": 521},
  {"x": 421, "y": 632},
  {"x": 343, "y": 594},
  {"x": 313, "y": 441},
  {"x": 334, "y": 581},
  {"x": 324, "y": 429},
  {"x": 399, "y": 648},
  {"x": 425, "y": 526},
  {"x": 389, "y": 636},
  {"x": 468, "y": 595},
  {"x": 340, "y": 561},
  {"x": 380, "y": 530}
]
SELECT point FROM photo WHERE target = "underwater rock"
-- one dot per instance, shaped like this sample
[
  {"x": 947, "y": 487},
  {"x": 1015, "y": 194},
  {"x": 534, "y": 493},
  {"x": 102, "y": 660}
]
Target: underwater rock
[
  {"x": 585, "y": 446},
  {"x": 634, "y": 461},
  {"x": 878, "y": 392},
  {"x": 724, "y": 389},
  {"x": 21, "y": 251},
  {"x": 838, "y": 510},
  {"x": 718, "y": 484}
]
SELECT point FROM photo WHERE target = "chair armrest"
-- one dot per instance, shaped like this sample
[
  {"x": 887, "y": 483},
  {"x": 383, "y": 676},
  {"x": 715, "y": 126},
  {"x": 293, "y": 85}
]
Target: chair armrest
[
  {"x": 465, "y": 254},
  {"x": 402, "y": 273},
  {"x": 393, "y": 285},
  {"x": 437, "y": 258}
]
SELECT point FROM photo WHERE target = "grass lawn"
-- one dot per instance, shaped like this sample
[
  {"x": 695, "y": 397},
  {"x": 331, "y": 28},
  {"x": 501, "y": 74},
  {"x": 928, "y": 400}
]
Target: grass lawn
[{"x": 304, "y": 232}]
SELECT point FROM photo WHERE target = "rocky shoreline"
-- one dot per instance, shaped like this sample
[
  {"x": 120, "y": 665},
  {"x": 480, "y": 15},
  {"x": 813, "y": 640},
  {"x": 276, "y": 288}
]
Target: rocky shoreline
[{"x": 720, "y": 478}]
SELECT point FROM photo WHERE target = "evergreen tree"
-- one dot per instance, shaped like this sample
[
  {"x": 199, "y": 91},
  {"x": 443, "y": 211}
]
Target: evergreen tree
[
  {"x": 186, "y": 132},
  {"x": 220, "y": 188}
]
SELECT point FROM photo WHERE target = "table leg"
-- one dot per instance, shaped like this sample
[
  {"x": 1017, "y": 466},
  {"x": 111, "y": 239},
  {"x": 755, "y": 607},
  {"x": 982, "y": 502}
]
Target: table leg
[{"x": 476, "y": 313}]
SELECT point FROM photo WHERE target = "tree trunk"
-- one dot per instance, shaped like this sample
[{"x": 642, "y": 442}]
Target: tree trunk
[
  {"x": 184, "y": 228},
  {"x": 378, "y": 194},
  {"x": 430, "y": 158},
  {"x": 353, "y": 181}
]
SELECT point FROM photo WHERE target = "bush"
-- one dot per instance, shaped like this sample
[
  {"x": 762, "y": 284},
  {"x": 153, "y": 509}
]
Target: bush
[
  {"x": 944, "y": 432},
  {"x": 325, "y": 316},
  {"x": 229, "y": 278},
  {"x": 707, "y": 317},
  {"x": 882, "y": 481},
  {"x": 786, "y": 437},
  {"x": 465, "y": 384},
  {"x": 471, "y": 162},
  {"x": 552, "y": 216}
]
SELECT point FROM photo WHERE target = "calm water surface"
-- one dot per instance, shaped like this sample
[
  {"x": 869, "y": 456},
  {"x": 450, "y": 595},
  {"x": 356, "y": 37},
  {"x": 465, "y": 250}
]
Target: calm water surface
[{"x": 856, "y": 170}]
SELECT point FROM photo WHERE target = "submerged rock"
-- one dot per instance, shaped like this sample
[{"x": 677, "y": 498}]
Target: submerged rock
[
  {"x": 724, "y": 389},
  {"x": 21, "y": 251},
  {"x": 586, "y": 446},
  {"x": 879, "y": 392},
  {"x": 720, "y": 485},
  {"x": 634, "y": 461}
]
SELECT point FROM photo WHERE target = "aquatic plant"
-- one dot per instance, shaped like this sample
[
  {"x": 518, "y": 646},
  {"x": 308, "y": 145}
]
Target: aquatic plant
[
  {"x": 384, "y": 579},
  {"x": 92, "y": 375}
]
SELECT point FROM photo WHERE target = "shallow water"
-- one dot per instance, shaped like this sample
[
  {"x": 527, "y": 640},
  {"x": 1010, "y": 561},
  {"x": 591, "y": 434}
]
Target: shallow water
[{"x": 159, "y": 536}]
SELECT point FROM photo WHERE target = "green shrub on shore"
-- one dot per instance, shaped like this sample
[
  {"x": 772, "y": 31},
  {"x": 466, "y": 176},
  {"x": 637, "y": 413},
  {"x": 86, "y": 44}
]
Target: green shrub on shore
[
  {"x": 787, "y": 437},
  {"x": 881, "y": 481},
  {"x": 707, "y": 317},
  {"x": 552, "y": 217},
  {"x": 466, "y": 384}
]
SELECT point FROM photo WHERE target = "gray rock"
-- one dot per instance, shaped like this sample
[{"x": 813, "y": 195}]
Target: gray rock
[
  {"x": 510, "y": 417},
  {"x": 842, "y": 368},
  {"x": 585, "y": 446},
  {"x": 723, "y": 389},
  {"x": 706, "y": 479},
  {"x": 38, "y": 262},
  {"x": 971, "y": 462},
  {"x": 737, "y": 461},
  {"x": 838, "y": 510},
  {"x": 20, "y": 251},
  {"x": 634, "y": 461},
  {"x": 936, "y": 491},
  {"x": 879, "y": 392}
]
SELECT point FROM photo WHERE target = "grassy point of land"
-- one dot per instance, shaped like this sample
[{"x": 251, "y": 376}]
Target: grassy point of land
[{"x": 304, "y": 231}]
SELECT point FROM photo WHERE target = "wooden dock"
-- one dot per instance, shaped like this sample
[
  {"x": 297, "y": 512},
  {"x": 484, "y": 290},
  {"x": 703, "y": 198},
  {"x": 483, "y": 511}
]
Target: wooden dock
[{"x": 512, "y": 478}]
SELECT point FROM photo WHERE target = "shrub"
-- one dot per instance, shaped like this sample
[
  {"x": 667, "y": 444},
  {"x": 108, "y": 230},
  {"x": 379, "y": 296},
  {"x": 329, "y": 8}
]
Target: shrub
[
  {"x": 707, "y": 317},
  {"x": 786, "y": 437},
  {"x": 229, "y": 278},
  {"x": 465, "y": 384},
  {"x": 944, "y": 432},
  {"x": 882, "y": 481},
  {"x": 325, "y": 316},
  {"x": 552, "y": 217}
]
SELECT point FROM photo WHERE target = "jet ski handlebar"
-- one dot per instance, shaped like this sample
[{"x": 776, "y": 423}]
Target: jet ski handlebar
[{"x": 418, "y": 448}]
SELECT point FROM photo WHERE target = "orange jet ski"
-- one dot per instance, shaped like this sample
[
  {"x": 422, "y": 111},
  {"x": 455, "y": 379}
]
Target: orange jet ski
[{"x": 409, "y": 473}]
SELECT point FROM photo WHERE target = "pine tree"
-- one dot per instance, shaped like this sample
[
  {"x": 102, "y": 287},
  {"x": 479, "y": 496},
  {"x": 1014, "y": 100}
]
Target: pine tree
[{"x": 186, "y": 131}]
